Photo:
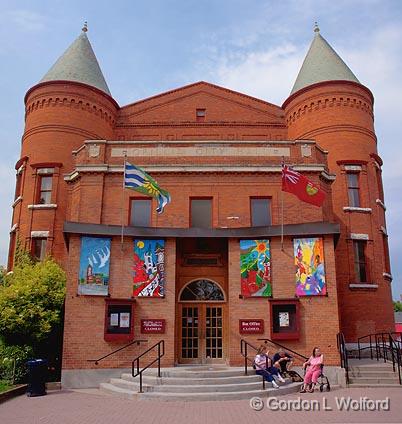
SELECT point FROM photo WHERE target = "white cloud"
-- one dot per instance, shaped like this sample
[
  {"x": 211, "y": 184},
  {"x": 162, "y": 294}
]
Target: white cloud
[
  {"x": 26, "y": 20},
  {"x": 270, "y": 74}
]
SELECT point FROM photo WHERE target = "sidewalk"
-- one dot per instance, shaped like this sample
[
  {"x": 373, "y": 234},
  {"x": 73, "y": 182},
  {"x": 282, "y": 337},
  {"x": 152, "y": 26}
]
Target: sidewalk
[{"x": 93, "y": 407}]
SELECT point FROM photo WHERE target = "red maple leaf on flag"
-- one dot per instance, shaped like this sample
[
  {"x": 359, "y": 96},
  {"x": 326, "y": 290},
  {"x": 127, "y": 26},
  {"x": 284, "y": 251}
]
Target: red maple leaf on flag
[{"x": 297, "y": 184}]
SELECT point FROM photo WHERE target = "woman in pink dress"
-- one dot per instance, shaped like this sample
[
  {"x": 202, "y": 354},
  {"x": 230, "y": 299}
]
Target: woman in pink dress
[{"x": 314, "y": 364}]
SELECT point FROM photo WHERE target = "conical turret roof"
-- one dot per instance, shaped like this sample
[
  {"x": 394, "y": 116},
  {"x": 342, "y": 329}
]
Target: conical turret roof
[
  {"x": 322, "y": 63},
  {"x": 78, "y": 63}
]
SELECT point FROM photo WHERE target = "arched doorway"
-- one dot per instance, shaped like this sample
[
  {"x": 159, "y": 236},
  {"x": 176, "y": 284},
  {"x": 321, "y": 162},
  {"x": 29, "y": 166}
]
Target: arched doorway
[{"x": 201, "y": 322}]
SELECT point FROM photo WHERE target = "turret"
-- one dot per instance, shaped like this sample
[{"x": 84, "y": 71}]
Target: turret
[
  {"x": 330, "y": 105},
  {"x": 70, "y": 104}
]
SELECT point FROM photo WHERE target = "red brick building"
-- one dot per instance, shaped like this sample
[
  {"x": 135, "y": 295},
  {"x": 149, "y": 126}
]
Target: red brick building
[{"x": 218, "y": 152}]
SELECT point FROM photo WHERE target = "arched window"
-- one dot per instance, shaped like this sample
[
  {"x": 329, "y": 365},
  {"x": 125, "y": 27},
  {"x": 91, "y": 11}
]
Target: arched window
[{"x": 202, "y": 290}]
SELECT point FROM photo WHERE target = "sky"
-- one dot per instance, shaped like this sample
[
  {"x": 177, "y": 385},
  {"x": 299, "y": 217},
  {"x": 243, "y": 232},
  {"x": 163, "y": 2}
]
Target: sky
[{"x": 252, "y": 46}]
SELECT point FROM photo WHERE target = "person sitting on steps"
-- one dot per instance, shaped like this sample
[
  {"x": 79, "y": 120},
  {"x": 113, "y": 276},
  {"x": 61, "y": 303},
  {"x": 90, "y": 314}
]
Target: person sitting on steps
[
  {"x": 283, "y": 361},
  {"x": 263, "y": 366},
  {"x": 314, "y": 364}
]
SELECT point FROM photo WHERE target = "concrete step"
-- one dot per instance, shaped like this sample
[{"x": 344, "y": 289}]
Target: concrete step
[
  {"x": 193, "y": 388},
  {"x": 192, "y": 373},
  {"x": 118, "y": 391},
  {"x": 373, "y": 374},
  {"x": 154, "y": 380},
  {"x": 373, "y": 381},
  {"x": 370, "y": 368},
  {"x": 211, "y": 396},
  {"x": 374, "y": 386}
]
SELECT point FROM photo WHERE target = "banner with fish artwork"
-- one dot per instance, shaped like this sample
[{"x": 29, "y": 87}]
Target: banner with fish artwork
[
  {"x": 310, "y": 271},
  {"x": 149, "y": 268},
  {"x": 94, "y": 266}
]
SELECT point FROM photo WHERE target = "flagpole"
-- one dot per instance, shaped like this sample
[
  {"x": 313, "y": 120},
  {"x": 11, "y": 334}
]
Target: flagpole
[
  {"x": 283, "y": 163},
  {"x": 122, "y": 200}
]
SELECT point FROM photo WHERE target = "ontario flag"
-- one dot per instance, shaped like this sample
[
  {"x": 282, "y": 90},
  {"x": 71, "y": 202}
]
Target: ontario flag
[{"x": 295, "y": 183}]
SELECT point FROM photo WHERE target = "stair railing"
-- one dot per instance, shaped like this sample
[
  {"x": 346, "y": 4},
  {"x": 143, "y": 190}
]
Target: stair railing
[
  {"x": 244, "y": 349},
  {"x": 343, "y": 354},
  {"x": 135, "y": 366},
  {"x": 266, "y": 341},
  {"x": 96, "y": 361},
  {"x": 387, "y": 346}
]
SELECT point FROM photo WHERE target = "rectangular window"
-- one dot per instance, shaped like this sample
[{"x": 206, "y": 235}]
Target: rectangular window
[
  {"x": 386, "y": 254},
  {"x": 260, "y": 212},
  {"x": 45, "y": 189},
  {"x": 201, "y": 213},
  {"x": 39, "y": 248},
  {"x": 140, "y": 212},
  {"x": 200, "y": 114},
  {"x": 359, "y": 248},
  {"x": 380, "y": 186},
  {"x": 18, "y": 186},
  {"x": 353, "y": 189}
]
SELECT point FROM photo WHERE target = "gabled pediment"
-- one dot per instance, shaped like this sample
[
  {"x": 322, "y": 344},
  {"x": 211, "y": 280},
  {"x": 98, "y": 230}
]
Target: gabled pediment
[{"x": 221, "y": 105}]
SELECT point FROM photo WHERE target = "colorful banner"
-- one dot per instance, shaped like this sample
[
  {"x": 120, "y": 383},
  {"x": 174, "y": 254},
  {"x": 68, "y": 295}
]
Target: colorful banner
[
  {"x": 94, "y": 266},
  {"x": 149, "y": 268},
  {"x": 255, "y": 268},
  {"x": 310, "y": 271}
]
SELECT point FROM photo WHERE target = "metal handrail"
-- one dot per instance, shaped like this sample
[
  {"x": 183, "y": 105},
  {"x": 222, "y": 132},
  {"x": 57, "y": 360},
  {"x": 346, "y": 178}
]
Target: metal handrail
[
  {"x": 376, "y": 345},
  {"x": 385, "y": 345},
  {"x": 96, "y": 361},
  {"x": 244, "y": 344},
  {"x": 343, "y": 354},
  {"x": 284, "y": 347},
  {"x": 136, "y": 361}
]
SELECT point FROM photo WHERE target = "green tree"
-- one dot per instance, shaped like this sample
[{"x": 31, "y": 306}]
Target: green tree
[
  {"x": 398, "y": 306},
  {"x": 31, "y": 300}
]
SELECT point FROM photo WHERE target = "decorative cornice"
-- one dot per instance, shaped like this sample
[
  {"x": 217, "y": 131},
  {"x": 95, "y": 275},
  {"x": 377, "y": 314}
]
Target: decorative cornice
[
  {"x": 20, "y": 162},
  {"x": 39, "y": 234},
  {"x": 357, "y": 236},
  {"x": 380, "y": 203},
  {"x": 351, "y": 162},
  {"x": 59, "y": 128},
  {"x": 377, "y": 158},
  {"x": 16, "y": 201},
  {"x": 43, "y": 206},
  {"x": 363, "y": 286},
  {"x": 187, "y": 168},
  {"x": 46, "y": 165},
  {"x": 356, "y": 209},
  {"x": 14, "y": 228},
  {"x": 323, "y": 83},
  {"x": 387, "y": 276},
  {"x": 71, "y": 83}
]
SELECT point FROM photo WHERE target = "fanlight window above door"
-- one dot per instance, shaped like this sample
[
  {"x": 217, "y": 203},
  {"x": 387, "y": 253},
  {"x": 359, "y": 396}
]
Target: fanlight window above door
[{"x": 202, "y": 290}]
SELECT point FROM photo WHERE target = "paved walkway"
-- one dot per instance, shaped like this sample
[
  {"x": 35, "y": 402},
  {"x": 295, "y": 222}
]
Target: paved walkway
[{"x": 93, "y": 407}]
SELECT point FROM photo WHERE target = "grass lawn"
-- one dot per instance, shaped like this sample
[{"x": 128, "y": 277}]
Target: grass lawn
[{"x": 4, "y": 385}]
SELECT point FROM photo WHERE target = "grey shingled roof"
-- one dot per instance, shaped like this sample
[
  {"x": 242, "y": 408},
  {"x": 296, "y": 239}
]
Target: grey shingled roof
[
  {"x": 322, "y": 63},
  {"x": 78, "y": 63}
]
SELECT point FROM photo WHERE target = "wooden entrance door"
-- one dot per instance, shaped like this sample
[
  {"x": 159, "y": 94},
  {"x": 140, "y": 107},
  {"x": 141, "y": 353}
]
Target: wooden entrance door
[{"x": 201, "y": 333}]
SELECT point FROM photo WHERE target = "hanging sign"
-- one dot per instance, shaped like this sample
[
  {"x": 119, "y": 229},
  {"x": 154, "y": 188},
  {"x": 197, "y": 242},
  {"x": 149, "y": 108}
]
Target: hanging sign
[
  {"x": 153, "y": 326},
  {"x": 251, "y": 326}
]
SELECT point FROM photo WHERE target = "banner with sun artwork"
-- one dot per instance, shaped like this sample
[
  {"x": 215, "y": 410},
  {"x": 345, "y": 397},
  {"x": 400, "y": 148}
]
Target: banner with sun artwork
[
  {"x": 255, "y": 268},
  {"x": 310, "y": 271},
  {"x": 149, "y": 268}
]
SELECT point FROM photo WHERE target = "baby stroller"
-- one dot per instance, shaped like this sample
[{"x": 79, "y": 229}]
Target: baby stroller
[{"x": 322, "y": 381}]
